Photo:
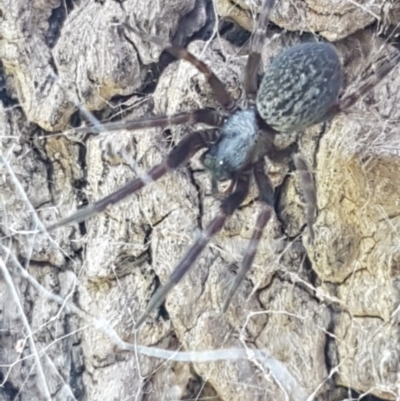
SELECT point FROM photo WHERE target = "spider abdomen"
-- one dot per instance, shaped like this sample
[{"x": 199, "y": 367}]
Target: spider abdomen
[{"x": 299, "y": 86}]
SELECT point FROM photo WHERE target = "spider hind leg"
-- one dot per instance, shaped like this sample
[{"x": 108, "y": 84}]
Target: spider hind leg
[
  {"x": 309, "y": 191},
  {"x": 383, "y": 69},
  {"x": 266, "y": 191}
]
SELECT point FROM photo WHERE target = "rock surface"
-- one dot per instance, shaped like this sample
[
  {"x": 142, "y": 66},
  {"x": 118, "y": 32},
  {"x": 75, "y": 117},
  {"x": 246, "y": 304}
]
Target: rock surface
[{"x": 311, "y": 321}]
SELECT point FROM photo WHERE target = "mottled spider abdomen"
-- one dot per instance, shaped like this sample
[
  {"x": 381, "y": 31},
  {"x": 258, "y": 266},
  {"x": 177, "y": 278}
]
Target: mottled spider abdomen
[{"x": 299, "y": 86}]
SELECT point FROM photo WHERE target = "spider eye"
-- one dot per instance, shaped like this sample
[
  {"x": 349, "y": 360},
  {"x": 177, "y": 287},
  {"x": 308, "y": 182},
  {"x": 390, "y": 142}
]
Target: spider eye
[{"x": 221, "y": 162}]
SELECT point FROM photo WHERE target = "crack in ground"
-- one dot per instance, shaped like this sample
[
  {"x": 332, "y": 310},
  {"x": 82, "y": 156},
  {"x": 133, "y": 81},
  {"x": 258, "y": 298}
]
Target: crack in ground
[{"x": 199, "y": 191}]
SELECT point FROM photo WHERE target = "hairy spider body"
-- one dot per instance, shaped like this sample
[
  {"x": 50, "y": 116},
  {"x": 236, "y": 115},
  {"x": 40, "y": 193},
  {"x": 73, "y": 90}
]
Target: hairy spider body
[
  {"x": 300, "y": 88},
  {"x": 240, "y": 144}
]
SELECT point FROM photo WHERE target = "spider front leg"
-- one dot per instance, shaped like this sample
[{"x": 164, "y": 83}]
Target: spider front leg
[
  {"x": 266, "y": 192},
  {"x": 228, "y": 206},
  {"x": 185, "y": 149},
  {"x": 205, "y": 116}
]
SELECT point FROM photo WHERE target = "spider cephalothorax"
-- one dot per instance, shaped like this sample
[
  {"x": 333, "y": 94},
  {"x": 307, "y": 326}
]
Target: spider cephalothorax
[
  {"x": 299, "y": 88},
  {"x": 238, "y": 146}
]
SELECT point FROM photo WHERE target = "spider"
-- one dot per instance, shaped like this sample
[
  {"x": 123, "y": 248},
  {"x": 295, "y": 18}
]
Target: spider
[{"x": 300, "y": 88}]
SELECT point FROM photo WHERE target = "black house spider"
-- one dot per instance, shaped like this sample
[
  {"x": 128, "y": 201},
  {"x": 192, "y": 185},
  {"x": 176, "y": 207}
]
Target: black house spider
[{"x": 300, "y": 88}]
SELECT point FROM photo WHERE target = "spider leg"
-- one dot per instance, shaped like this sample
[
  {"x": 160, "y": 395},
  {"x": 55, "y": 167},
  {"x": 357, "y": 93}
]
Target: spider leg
[
  {"x": 185, "y": 149},
  {"x": 384, "y": 69},
  {"x": 309, "y": 191},
  {"x": 254, "y": 59},
  {"x": 220, "y": 93},
  {"x": 205, "y": 116},
  {"x": 277, "y": 155},
  {"x": 228, "y": 206},
  {"x": 266, "y": 191}
]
